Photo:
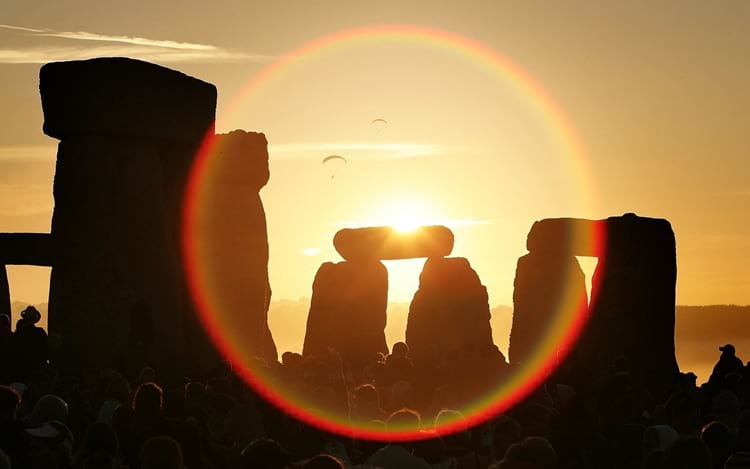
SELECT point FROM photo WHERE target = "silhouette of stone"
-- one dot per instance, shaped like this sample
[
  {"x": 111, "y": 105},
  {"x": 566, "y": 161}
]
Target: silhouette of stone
[
  {"x": 234, "y": 241},
  {"x": 632, "y": 312},
  {"x": 4, "y": 292},
  {"x": 129, "y": 131},
  {"x": 386, "y": 242},
  {"x": 449, "y": 311},
  {"x": 26, "y": 249},
  {"x": 348, "y": 311},
  {"x": 548, "y": 286},
  {"x": 633, "y": 308}
]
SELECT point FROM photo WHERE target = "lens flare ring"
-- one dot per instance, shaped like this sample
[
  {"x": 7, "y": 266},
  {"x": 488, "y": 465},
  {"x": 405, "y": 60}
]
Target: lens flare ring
[{"x": 560, "y": 334}]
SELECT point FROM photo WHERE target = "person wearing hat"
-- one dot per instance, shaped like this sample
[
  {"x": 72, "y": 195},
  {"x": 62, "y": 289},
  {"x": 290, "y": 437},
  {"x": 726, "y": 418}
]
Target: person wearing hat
[
  {"x": 728, "y": 363},
  {"x": 29, "y": 344}
]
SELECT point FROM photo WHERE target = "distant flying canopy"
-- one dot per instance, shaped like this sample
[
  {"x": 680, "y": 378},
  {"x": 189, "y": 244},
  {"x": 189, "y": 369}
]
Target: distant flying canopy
[
  {"x": 378, "y": 121},
  {"x": 334, "y": 157},
  {"x": 334, "y": 163}
]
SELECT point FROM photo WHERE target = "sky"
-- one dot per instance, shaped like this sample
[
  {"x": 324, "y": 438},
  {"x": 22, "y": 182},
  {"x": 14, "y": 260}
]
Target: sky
[{"x": 653, "y": 117}]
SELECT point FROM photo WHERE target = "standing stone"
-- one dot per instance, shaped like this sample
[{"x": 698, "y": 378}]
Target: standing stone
[
  {"x": 124, "y": 126},
  {"x": 4, "y": 292},
  {"x": 548, "y": 287},
  {"x": 348, "y": 311},
  {"x": 633, "y": 302},
  {"x": 450, "y": 310},
  {"x": 233, "y": 237}
]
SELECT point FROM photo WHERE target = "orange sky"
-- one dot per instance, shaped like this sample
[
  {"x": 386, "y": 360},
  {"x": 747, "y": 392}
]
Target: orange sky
[{"x": 657, "y": 94}]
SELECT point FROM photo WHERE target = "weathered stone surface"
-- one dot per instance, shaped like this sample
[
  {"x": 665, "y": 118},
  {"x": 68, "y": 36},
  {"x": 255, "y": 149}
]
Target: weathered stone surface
[
  {"x": 26, "y": 249},
  {"x": 124, "y": 97},
  {"x": 386, "y": 242},
  {"x": 449, "y": 311},
  {"x": 129, "y": 132},
  {"x": 233, "y": 242},
  {"x": 348, "y": 311},
  {"x": 547, "y": 288}
]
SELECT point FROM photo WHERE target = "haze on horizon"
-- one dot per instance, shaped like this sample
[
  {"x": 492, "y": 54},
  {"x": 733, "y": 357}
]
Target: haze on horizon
[{"x": 657, "y": 94}]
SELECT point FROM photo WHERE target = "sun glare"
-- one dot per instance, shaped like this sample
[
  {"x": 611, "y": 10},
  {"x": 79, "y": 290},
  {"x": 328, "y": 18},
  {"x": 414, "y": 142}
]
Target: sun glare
[{"x": 404, "y": 214}]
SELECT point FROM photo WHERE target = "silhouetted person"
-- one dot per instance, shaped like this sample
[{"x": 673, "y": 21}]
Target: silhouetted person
[
  {"x": 161, "y": 452},
  {"x": 728, "y": 363},
  {"x": 717, "y": 437},
  {"x": 398, "y": 365},
  {"x": 264, "y": 454},
  {"x": 30, "y": 345}
]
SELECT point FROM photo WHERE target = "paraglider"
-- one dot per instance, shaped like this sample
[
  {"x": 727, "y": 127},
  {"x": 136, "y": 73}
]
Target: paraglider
[
  {"x": 379, "y": 124},
  {"x": 334, "y": 161}
]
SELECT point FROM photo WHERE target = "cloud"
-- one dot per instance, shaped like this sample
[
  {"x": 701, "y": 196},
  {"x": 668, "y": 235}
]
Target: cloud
[
  {"x": 365, "y": 149},
  {"x": 112, "y": 45}
]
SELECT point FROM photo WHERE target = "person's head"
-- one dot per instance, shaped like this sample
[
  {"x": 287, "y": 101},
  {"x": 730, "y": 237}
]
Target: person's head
[
  {"x": 366, "y": 395},
  {"x": 9, "y": 402},
  {"x": 148, "y": 400},
  {"x": 264, "y": 454},
  {"x": 161, "y": 452},
  {"x": 49, "y": 407},
  {"x": 687, "y": 452},
  {"x": 658, "y": 437},
  {"x": 727, "y": 350},
  {"x": 400, "y": 349},
  {"x": 118, "y": 388},
  {"x": 195, "y": 393},
  {"x": 323, "y": 461},
  {"x": 147, "y": 375},
  {"x": 4, "y": 321},
  {"x": 404, "y": 419},
  {"x": 31, "y": 315}
]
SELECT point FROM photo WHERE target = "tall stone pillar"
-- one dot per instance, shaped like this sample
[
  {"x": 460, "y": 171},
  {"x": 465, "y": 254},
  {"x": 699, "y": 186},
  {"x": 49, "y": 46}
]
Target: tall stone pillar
[
  {"x": 348, "y": 311},
  {"x": 4, "y": 292},
  {"x": 233, "y": 239},
  {"x": 450, "y": 310},
  {"x": 548, "y": 285},
  {"x": 633, "y": 302},
  {"x": 117, "y": 288}
]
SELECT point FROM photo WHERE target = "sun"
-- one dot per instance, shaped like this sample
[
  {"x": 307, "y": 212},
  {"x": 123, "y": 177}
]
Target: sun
[{"x": 405, "y": 214}]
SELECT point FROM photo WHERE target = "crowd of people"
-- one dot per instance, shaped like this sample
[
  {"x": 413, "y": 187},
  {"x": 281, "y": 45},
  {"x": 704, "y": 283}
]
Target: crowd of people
[{"x": 110, "y": 419}]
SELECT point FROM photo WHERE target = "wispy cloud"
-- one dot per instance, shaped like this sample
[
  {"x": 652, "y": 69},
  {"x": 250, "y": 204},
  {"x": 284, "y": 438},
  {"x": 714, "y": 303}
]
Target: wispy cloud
[
  {"x": 361, "y": 149},
  {"x": 112, "y": 45}
]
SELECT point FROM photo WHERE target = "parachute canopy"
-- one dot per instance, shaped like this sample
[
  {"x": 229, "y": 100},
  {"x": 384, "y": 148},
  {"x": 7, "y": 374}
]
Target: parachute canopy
[
  {"x": 334, "y": 157},
  {"x": 378, "y": 121}
]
